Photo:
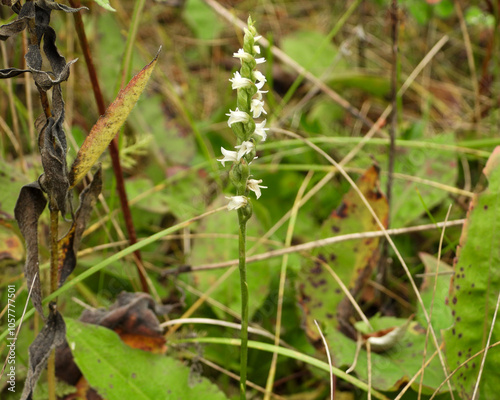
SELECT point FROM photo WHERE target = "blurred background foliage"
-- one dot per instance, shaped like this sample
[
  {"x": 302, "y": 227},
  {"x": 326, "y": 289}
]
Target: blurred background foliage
[{"x": 447, "y": 118}]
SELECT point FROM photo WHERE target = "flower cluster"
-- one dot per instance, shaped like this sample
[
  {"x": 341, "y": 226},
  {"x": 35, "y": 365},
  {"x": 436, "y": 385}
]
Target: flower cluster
[{"x": 249, "y": 83}]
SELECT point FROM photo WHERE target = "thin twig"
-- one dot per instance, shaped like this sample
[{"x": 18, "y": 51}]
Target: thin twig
[
  {"x": 391, "y": 242},
  {"x": 470, "y": 60},
  {"x": 346, "y": 291},
  {"x": 332, "y": 391},
  {"x": 359, "y": 344},
  {"x": 218, "y": 322},
  {"x": 436, "y": 391},
  {"x": 113, "y": 146},
  {"x": 436, "y": 274},
  {"x": 384, "y": 264},
  {"x": 481, "y": 368},
  {"x": 315, "y": 244},
  {"x": 281, "y": 289},
  {"x": 369, "y": 362},
  {"x": 410, "y": 382},
  {"x": 237, "y": 378}
]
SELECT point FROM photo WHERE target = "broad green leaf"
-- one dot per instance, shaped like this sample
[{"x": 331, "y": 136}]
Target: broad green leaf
[
  {"x": 391, "y": 368},
  {"x": 369, "y": 83},
  {"x": 184, "y": 198},
  {"x": 474, "y": 290},
  {"x": 119, "y": 372},
  {"x": 311, "y": 51},
  {"x": 202, "y": 20},
  {"x": 430, "y": 164},
  {"x": 105, "y": 4},
  {"x": 108, "y": 124},
  {"x": 218, "y": 249},
  {"x": 170, "y": 140},
  {"x": 353, "y": 261},
  {"x": 441, "y": 315}
]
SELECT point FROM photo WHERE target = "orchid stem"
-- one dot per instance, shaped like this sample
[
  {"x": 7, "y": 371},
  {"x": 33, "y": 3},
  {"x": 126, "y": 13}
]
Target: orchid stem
[{"x": 244, "y": 303}]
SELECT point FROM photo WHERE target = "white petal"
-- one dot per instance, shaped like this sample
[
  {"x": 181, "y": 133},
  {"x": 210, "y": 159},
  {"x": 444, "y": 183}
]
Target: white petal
[
  {"x": 256, "y": 49},
  {"x": 261, "y": 60},
  {"x": 243, "y": 55},
  {"x": 260, "y": 130},
  {"x": 244, "y": 148},
  {"x": 259, "y": 76},
  {"x": 239, "y": 82},
  {"x": 237, "y": 116},
  {"x": 228, "y": 156},
  {"x": 257, "y": 108},
  {"x": 236, "y": 202},
  {"x": 253, "y": 185}
]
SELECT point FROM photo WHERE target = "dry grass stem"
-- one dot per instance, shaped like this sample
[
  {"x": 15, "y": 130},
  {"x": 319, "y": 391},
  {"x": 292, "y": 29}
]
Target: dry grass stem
[{"x": 328, "y": 356}]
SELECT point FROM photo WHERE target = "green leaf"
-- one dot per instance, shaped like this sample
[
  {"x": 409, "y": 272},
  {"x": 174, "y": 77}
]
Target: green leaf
[
  {"x": 105, "y": 4},
  {"x": 441, "y": 315},
  {"x": 119, "y": 372},
  {"x": 391, "y": 368},
  {"x": 218, "y": 249},
  {"x": 430, "y": 164},
  {"x": 202, "y": 20},
  {"x": 108, "y": 124},
  {"x": 311, "y": 51},
  {"x": 474, "y": 290},
  {"x": 321, "y": 297}
]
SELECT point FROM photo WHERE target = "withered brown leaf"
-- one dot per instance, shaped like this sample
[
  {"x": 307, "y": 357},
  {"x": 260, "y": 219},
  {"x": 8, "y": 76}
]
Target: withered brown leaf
[
  {"x": 52, "y": 335},
  {"x": 69, "y": 244},
  {"x": 29, "y": 206},
  {"x": 53, "y": 148}
]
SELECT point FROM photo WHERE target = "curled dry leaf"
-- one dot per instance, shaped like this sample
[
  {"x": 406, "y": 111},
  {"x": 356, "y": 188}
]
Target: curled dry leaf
[
  {"x": 69, "y": 244},
  {"x": 53, "y": 149},
  {"x": 11, "y": 72},
  {"x": 108, "y": 124},
  {"x": 30, "y": 205},
  {"x": 53, "y": 334},
  {"x": 133, "y": 317},
  {"x": 386, "y": 339}
]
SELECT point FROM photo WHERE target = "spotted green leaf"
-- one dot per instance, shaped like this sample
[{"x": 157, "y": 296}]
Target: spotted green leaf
[
  {"x": 320, "y": 295},
  {"x": 119, "y": 372},
  {"x": 474, "y": 290},
  {"x": 108, "y": 124}
]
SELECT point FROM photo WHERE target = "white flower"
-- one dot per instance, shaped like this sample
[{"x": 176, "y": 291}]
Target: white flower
[
  {"x": 259, "y": 76},
  {"x": 257, "y": 108},
  {"x": 243, "y": 55},
  {"x": 237, "y": 116},
  {"x": 261, "y": 60},
  {"x": 257, "y": 38},
  {"x": 253, "y": 185},
  {"x": 236, "y": 202},
  {"x": 244, "y": 148},
  {"x": 228, "y": 156},
  {"x": 260, "y": 130},
  {"x": 239, "y": 82},
  {"x": 256, "y": 49}
]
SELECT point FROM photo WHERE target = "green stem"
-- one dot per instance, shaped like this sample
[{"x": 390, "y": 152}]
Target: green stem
[{"x": 244, "y": 303}]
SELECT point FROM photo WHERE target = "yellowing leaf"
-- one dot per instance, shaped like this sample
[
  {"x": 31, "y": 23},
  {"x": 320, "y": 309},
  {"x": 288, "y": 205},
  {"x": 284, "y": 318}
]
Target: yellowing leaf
[{"x": 108, "y": 124}]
